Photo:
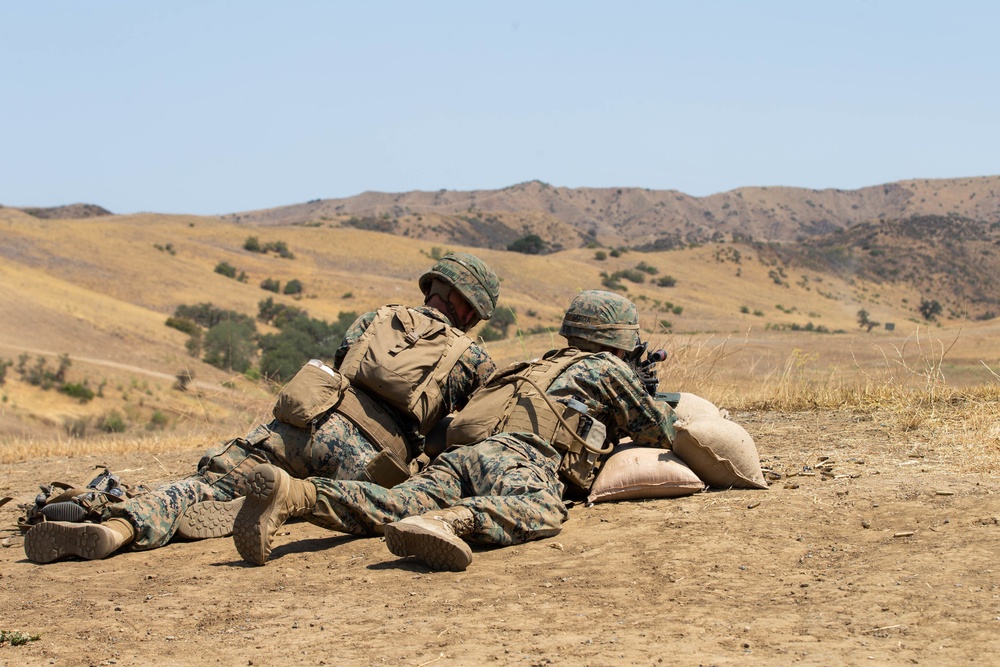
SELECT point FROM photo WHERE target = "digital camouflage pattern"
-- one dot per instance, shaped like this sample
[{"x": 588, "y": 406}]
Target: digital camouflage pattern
[
  {"x": 337, "y": 450},
  {"x": 602, "y": 318},
  {"x": 471, "y": 276},
  {"x": 508, "y": 480}
]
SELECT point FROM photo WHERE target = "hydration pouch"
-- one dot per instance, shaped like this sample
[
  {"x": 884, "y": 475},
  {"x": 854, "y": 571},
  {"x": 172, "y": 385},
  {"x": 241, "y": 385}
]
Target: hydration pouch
[
  {"x": 579, "y": 464},
  {"x": 310, "y": 394}
]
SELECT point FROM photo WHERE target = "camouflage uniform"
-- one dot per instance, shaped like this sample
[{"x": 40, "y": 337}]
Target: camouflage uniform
[
  {"x": 337, "y": 450},
  {"x": 509, "y": 481}
]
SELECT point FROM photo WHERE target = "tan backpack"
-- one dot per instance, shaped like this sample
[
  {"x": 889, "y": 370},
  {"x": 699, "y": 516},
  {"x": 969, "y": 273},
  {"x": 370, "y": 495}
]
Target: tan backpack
[
  {"x": 515, "y": 400},
  {"x": 404, "y": 358}
]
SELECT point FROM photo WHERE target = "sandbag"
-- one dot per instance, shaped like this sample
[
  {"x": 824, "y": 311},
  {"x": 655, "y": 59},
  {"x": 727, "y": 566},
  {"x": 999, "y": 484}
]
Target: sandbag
[
  {"x": 720, "y": 452},
  {"x": 643, "y": 472},
  {"x": 690, "y": 406}
]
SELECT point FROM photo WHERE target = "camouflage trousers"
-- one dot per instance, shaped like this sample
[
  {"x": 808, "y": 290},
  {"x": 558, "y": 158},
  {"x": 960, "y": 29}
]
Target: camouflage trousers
[
  {"x": 509, "y": 481},
  {"x": 337, "y": 450}
]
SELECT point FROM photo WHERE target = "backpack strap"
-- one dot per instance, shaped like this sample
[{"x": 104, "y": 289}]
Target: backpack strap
[
  {"x": 375, "y": 422},
  {"x": 437, "y": 379},
  {"x": 352, "y": 360}
]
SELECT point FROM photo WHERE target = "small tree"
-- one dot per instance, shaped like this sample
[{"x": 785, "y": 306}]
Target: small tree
[
  {"x": 184, "y": 379},
  {"x": 293, "y": 286},
  {"x": 271, "y": 285},
  {"x": 252, "y": 244},
  {"x": 929, "y": 309},
  {"x": 230, "y": 345},
  {"x": 866, "y": 322}
]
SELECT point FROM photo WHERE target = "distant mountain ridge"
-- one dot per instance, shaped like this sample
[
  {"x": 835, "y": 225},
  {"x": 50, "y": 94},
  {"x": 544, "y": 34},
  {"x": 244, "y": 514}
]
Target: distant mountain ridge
[
  {"x": 68, "y": 212},
  {"x": 636, "y": 217}
]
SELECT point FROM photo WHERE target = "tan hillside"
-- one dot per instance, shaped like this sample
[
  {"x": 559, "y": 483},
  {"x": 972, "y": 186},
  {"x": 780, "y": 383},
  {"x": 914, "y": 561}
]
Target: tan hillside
[
  {"x": 875, "y": 543},
  {"x": 100, "y": 289},
  {"x": 634, "y": 217}
]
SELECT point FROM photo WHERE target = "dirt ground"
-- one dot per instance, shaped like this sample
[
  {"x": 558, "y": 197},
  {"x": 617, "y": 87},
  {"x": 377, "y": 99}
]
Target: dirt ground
[{"x": 884, "y": 553}]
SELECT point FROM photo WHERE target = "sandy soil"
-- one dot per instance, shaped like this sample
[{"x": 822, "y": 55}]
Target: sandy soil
[{"x": 884, "y": 554}]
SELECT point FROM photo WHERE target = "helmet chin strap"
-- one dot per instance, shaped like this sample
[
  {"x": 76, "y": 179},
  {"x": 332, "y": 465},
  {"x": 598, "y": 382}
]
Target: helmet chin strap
[{"x": 440, "y": 289}]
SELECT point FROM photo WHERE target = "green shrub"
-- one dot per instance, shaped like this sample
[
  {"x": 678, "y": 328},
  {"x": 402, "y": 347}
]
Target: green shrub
[
  {"x": 611, "y": 282},
  {"x": 226, "y": 269},
  {"x": 666, "y": 281},
  {"x": 78, "y": 391},
  {"x": 293, "y": 286},
  {"x": 193, "y": 344},
  {"x": 271, "y": 285},
  {"x": 275, "y": 313},
  {"x": 252, "y": 244},
  {"x": 632, "y": 275},
  {"x": 206, "y": 315},
  {"x": 600, "y": 255},
  {"x": 499, "y": 324},
  {"x": 183, "y": 324},
  {"x": 646, "y": 268},
  {"x": 300, "y": 339},
  {"x": 158, "y": 421},
  {"x": 113, "y": 422},
  {"x": 489, "y": 334},
  {"x": 532, "y": 244}
]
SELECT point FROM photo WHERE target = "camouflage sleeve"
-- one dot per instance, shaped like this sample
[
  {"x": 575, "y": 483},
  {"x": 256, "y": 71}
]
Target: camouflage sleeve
[
  {"x": 472, "y": 371},
  {"x": 351, "y": 337},
  {"x": 623, "y": 402}
]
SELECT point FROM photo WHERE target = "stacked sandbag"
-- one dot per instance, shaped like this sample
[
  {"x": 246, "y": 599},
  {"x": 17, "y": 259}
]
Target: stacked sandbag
[
  {"x": 710, "y": 450},
  {"x": 643, "y": 472},
  {"x": 718, "y": 450}
]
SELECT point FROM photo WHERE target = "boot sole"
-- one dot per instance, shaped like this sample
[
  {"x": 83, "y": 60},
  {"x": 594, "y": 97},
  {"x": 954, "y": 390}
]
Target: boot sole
[
  {"x": 427, "y": 546},
  {"x": 250, "y": 527},
  {"x": 51, "y": 540},
  {"x": 64, "y": 511},
  {"x": 212, "y": 518}
]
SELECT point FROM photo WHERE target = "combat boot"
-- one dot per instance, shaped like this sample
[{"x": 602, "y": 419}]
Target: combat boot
[
  {"x": 435, "y": 538},
  {"x": 211, "y": 518},
  {"x": 51, "y": 540},
  {"x": 273, "y": 497}
]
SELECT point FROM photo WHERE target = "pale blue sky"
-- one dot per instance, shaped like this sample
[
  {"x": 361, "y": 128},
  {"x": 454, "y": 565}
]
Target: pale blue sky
[{"x": 217, "y": 107}]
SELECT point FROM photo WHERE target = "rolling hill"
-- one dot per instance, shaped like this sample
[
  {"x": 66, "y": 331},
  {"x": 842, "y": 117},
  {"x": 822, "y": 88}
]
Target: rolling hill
[{"x": 782, "y": 271}]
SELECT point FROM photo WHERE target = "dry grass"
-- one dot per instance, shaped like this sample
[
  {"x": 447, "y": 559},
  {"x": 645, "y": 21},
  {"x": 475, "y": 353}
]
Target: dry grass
[{"x": 106, "y": 301}]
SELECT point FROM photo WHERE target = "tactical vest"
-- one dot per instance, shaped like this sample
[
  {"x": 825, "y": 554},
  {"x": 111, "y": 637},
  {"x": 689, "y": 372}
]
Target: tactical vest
[
  {"x": 404, "y": 358},
  {"x": 511, "y": 402}
]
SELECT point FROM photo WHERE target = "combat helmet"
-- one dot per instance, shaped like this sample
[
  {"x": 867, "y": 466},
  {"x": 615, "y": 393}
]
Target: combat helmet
[
  {"x": 471, "y": 276},
  {"x": 599, "y": 318}
]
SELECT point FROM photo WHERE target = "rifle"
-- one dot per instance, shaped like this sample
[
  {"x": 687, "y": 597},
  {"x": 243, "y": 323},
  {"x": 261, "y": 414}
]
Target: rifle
[{"x": 644, "y": 368}]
